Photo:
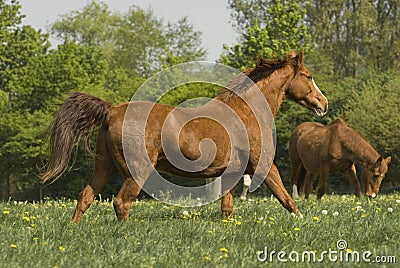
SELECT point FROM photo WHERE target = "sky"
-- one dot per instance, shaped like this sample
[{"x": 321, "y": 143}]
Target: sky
[{"x": 210, "y": 17}]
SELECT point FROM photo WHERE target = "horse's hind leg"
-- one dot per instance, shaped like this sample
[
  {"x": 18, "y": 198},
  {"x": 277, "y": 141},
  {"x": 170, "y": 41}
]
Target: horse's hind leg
[
  {"x": 104, "y": 169},
  {"x": 122, "y": 203},
  {"x": 308, "y": 184},
  {"x": 227, "y": 204},
  {"x": 246, "y": 185},
  {"x": 323, "y": 176}
]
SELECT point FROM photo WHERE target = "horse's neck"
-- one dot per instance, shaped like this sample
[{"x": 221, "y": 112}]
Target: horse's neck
[
  {"x": 363, "y": 153},
  {"x": 272, "y": 89}
]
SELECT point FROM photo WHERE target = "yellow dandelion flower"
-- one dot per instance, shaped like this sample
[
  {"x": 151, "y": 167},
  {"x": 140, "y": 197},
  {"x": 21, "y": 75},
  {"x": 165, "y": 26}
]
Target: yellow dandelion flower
[
  {"x": 378, "y": 209},
  {"x": 33, "y": 225},
  {"x": 238, "y": 222},
  {"x": 26, "y": 218},
  {"x": 223, "y": 250},
  {"x": 13, "y": 246},
  {"x": 35, "y": 238},
  {"x": 61, "y": 248},
  {"x": 315, "y": 218},
  {"x": 6, "y": 212},
  {"x": 225, "y": 255},
  {"x": 349, "y": 250},
  {"x": 225, "y": 221},
  {"x": 207, "y": 258},
  {"x": 296, "y": 229},
  {"x": 271, "y": 218},
  {"x": 363, "y": 215}
]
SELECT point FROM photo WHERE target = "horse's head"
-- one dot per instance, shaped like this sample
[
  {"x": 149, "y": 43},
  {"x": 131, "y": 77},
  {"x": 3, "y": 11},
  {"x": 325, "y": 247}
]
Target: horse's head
[
  {"x": 372, "y": 177},
  {"x": 303, "y": 90}
]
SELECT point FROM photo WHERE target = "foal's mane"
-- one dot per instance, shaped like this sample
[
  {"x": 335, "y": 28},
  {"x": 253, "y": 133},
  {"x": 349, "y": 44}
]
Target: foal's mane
[
  {"x": 354, "y": 136},
  {"x": 263, "y": 69}
]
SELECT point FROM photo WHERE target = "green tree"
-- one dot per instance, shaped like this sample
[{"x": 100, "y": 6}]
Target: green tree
[
  {"x": 134, "y": 41},
  {"x": 356, "y": 35},
  {"x": 282, "y": 29},
  {"x": 373, "y": 112},
  {"x": 18, "y": 48}
]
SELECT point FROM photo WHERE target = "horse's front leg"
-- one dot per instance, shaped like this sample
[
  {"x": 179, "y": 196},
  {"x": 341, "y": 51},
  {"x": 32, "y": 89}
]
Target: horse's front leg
[
  {"x": 352, "y": 178},
  {"x": 275, "y": 185}
]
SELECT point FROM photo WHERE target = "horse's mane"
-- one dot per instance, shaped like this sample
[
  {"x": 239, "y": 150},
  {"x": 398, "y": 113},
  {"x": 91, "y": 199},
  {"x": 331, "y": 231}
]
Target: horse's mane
[
  {"x": 355, "y": 136},
  {"x": 263, "y": 69}
]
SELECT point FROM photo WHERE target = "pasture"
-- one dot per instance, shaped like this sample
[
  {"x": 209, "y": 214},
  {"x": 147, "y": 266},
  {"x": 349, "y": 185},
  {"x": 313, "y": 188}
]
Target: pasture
[{"x": 158, "y": 235}]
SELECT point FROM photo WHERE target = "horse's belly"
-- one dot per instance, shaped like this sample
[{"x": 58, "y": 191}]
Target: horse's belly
[
  {"x": 213, "y": 170},
  {"x": 339, "y": 165}
]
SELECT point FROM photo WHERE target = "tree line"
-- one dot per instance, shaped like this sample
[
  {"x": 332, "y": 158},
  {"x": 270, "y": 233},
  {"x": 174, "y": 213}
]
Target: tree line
[{"x": 351, "y": 48}]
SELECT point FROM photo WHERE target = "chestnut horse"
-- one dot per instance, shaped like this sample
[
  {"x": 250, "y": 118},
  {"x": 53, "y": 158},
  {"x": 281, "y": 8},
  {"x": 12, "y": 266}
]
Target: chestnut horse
[
  {"x": 318, "y": 149},
  {"x": 275, "y": 80}
]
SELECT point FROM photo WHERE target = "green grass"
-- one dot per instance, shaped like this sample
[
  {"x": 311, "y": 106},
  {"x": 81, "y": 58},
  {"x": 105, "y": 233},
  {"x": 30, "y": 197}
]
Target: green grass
[{"x": 158, "y": 235}]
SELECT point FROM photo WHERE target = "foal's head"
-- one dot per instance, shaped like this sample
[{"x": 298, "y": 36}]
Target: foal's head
[
  {"x": 303, "y": 90},
  {"x": 372, "y": 177}
]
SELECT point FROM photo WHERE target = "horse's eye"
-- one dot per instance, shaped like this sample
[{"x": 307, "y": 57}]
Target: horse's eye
[{"x": 309, "y": 77}]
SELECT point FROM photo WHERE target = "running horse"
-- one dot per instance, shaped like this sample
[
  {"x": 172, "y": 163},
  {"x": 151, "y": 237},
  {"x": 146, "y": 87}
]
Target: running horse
[
  {"x": 318, "y": 149},
  {"x": 276, "y": 79}
]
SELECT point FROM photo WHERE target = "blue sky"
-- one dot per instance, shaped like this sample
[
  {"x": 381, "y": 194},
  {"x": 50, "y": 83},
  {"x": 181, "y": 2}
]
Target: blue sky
[{"x": 211, "y": 17}]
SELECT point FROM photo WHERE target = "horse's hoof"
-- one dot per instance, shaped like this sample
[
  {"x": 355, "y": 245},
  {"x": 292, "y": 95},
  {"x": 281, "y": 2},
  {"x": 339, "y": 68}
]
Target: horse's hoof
[{"x": 297, "y": 215}]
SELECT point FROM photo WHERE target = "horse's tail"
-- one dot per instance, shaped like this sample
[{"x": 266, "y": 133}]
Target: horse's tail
[{"x": 77, "y": 117}]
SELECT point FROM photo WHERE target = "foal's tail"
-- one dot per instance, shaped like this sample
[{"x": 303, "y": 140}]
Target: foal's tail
[{"x": 77, "y": 117}]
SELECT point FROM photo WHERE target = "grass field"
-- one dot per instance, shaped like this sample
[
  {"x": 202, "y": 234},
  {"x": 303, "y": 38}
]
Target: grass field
[{"x": 157, "y": 235}]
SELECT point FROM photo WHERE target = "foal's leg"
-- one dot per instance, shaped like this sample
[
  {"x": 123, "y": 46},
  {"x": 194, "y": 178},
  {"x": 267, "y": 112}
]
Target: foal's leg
[
  {"x": 104, "y": 169},
  {"x": 352, "y": 178},
  {"x": 295, "y": 166},
  {"x": 308, "y": 187},
  {"x": 323, "y": 176},
  {"x": 275, "y": 185},
  {"x": 122, "y": 203}
]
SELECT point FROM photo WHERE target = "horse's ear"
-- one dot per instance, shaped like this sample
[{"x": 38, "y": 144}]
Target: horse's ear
[
  {"x": 292, "y": 53},
  {"x": 260, "y": 60},
  {"x": 300, "y": 57},
  {"x": 388, "y": 160}
]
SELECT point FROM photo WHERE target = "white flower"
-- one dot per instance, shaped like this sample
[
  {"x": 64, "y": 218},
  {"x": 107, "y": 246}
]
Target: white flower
[
  {"x": 398, "y": 201},
  {"x": 390, "y": 210},
  {"x": 185, "y": 213},
  {"x": 324, "y": 211},
  {"x": 335, "y": 214},
  {"x": 359, "y": 208}
]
